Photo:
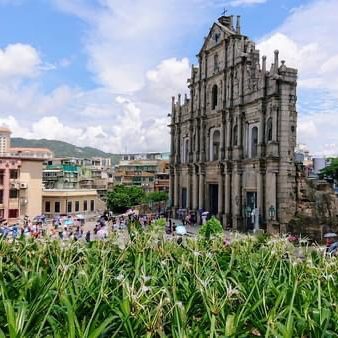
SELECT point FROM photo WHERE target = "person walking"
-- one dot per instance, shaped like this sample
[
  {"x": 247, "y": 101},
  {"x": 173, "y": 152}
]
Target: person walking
[{"x": 88, "y": 236}]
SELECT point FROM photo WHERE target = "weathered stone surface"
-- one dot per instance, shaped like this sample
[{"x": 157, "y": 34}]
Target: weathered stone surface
[
  {"x": 317, "y": 208},
  {"x": 242, "y": 118}
]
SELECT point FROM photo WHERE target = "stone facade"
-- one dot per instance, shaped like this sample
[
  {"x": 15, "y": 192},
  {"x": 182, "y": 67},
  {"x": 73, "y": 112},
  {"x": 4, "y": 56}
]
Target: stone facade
[{"x": 233, "y": 139}]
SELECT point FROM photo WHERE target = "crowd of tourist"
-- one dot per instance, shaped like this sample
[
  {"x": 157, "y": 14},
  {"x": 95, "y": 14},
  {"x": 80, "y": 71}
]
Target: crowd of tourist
[{"x": 73, "y": 228}]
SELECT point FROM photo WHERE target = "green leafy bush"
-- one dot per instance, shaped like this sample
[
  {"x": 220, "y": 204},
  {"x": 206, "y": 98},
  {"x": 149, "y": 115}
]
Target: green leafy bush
[
  {"x": 123, "y": 198},
  {"x": 153, "y": 287},
  {"x": 211, "y": 228}
]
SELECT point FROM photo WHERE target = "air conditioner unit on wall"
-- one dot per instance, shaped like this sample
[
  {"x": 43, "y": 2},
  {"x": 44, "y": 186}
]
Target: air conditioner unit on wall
[
  {"x": 23, "y": 185},
  {"x": 14, "y": 186},
  {"x": 23, "y": 201}
]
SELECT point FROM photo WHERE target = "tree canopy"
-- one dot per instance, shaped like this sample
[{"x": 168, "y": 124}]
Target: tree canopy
[
  {"x": 331, "y": 171},
  {"x": 122, "y": 197}
]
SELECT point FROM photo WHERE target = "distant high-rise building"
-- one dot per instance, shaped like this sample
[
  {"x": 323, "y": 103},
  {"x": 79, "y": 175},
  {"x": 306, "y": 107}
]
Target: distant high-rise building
[{"x": 5, "y": 140}]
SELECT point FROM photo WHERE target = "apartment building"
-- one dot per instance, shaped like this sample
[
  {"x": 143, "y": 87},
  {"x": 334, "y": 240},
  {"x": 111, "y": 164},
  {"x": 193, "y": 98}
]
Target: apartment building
[
  {"x": 20, "y": 180},
  {"x": 71, "y": 202},
  {"x": 150, "y": 175}
]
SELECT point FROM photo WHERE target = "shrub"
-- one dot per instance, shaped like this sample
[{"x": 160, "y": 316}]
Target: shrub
[{"x": 211, "y": 228}]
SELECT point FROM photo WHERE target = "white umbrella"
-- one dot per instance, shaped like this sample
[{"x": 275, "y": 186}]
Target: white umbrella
[
  {"x": 181, "y": 230},
  {"x": 205, "y": 213},
  {"x": 330, "y": 235},
  {"x": 79, "y": 216}
]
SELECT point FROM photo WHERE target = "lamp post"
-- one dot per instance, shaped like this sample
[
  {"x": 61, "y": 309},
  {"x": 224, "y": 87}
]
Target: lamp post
[
  {"x": 272, "y": 213},
  {"x": 247, "y": 213}
]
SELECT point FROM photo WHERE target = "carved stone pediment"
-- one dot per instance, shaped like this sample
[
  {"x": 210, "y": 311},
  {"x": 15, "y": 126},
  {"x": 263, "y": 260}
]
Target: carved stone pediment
[{"x": 216, "y": 35}]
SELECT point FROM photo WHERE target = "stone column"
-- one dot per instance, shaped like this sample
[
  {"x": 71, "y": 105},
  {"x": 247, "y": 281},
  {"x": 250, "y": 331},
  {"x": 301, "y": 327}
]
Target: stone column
[
  {"x": 228, "y": 136},
  {"x": 201, "y": 197},
  {"x": 223, "y": 135},
  {"x": 260, "y": 195},
  {"x": 240, "y": 134},
  {"x": 274, "y": 123},
  {"x": 177, "y": 189},
  {"x": 171, "y": 186},
  {"x": 202, "y": 141},
  {"x": 220, "y": 192},
  {"x": 273, "y": 191},
  {"x": 195, "y": 189},
  {"x": 172, "y": 131},
  {"x": 189, "y": 189},
  {"x": 237, "y": 215},
  {"x": 197, "y": 148},
  {"x": 227, "y": 203}
]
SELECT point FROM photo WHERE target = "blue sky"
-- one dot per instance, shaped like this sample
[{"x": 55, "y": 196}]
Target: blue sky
[{"x": 101, "y": 72}]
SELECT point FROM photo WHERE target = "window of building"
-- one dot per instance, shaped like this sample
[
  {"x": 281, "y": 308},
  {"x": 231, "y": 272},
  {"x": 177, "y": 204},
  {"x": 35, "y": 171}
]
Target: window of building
[
  {"x": 69, "y": 206},
  {"x": 215, "y": 145},
  {"x": 214, "y": 94},
  {"x": 1, "y": 196},
  {"x": 57, "y": 207},
  {"x": 216, "y": 62},
  {"x": 269, "y": 129},
  {"x": 13, "y": 174},
  {"x": 85, "y": 206},
  {"x": 47, "y": 206},
  {"x": 13, "y": 193},
  {"x": 77, "y": 206},
  {"x": 254, "y": 141},
  {"x": 13, "y": 213},
  {"x": 92, "y": 205},
  {"x": 235, "y": 136}
]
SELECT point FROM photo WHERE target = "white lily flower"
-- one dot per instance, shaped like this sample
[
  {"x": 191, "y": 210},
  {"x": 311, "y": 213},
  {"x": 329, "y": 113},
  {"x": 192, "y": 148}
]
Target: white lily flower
[
  {"x": 119, "y": 277},
  {"x": 146, "y": 278},
  {"x": 145, "y": 289}
]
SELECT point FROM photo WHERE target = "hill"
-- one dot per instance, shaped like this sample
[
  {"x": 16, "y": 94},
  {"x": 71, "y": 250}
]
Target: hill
[{"x": 62, "y": 149}]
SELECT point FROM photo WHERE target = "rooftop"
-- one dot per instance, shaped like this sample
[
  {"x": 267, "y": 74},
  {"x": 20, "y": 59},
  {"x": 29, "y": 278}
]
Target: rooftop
[
  {"x": 31, "y": 150},
  {"x": 5, "y": 130}
]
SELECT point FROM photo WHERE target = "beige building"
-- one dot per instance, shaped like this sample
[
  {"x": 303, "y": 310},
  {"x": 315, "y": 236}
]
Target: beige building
[
  {"x": 20, "y": 188},
  {"x": 5, "y": 140},
  {"x": 233, "y": 140},
  {"x": 20, "y": 179},
  {"x": 71, "y": 202}
]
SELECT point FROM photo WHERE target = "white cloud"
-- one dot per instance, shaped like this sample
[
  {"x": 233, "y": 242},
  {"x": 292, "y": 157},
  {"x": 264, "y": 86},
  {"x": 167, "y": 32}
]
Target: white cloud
[
  {"x": 237, "y": 3},
  {"x": 127, "y": 38},
  {"x": 19, "y": 60},
  {"x": 306, "y": 40},
  {"x": 168, "y": 78}
]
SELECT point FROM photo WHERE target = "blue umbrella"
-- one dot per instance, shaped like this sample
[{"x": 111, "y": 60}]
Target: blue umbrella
[{"x": 68, "y": 222}]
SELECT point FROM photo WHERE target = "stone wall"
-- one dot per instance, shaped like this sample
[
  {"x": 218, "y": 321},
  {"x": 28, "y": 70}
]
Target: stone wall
[{"x": 317, "y": 208}]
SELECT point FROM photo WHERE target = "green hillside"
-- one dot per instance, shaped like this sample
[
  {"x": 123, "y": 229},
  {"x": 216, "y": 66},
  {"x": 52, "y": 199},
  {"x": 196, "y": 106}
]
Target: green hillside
[{"x": 63, "y": 149}]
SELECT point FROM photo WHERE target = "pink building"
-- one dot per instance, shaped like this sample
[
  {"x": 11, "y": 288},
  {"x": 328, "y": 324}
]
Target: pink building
[
  {"x": 9, "y": 175},
  {"x": 20, "y": 179}
]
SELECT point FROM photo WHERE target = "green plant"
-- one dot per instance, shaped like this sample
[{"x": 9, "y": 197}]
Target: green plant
[
  {"x": 122, "y": 198},
  {"x": 211, "y": 228},
  {"x": 152, "y": 287}
]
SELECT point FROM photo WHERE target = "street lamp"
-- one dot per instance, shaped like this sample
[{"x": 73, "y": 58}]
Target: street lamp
[
  {"x": 272, "y": 213},
  {"x": 247, "y": 213}
]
